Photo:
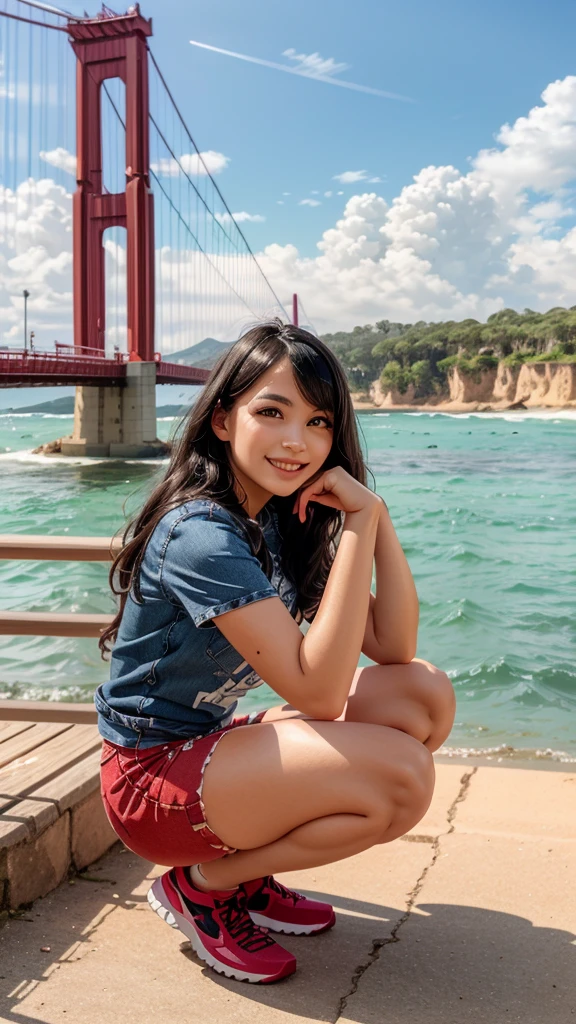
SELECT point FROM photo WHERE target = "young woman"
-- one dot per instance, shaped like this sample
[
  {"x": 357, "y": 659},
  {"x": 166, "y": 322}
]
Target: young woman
[{"x": 263, "y": 520}]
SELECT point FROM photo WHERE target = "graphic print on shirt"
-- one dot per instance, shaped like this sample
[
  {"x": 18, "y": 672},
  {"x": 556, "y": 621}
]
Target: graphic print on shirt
[{"x": 231, "y": 690}]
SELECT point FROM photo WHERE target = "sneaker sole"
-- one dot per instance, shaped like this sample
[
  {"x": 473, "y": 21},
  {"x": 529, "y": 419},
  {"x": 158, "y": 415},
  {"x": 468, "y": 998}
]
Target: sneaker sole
[
  {"x": 156, "y": 895},
  {"x": 291, "y": 929}
]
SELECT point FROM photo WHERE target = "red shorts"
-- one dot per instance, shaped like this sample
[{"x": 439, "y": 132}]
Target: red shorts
[{"x": 153, "y": 798}]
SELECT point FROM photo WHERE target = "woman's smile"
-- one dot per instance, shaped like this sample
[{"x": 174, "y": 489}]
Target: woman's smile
[{"x": 286, "y": 466}]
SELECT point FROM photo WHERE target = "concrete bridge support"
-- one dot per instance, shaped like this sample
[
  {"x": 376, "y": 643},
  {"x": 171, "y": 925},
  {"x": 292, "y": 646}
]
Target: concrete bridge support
[{"x": 117, "y": 421}]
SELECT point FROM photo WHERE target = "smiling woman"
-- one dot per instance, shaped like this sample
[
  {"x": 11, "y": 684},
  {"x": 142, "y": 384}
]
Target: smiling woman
[
  {"x": 262, "y": 520},
  {"x": 260, "y": 433}
]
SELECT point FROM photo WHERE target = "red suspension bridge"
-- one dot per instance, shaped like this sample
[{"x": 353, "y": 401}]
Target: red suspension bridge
[{"x": 144, "y": 260}]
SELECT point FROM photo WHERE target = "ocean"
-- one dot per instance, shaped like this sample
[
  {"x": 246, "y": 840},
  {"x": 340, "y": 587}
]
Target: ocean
[{"x": 484, "y": 506}]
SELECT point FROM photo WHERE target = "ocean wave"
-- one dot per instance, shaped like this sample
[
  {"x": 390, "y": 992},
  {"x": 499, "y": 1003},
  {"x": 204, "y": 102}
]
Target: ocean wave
[
  {"x": 508, "y": 683},
  {"x": 28, "y": 456},
  {"x": 511, "y": 415},
  {"x": 460, "y": 553},
  {"x": 506, "y": 752},
  {"x": 525, "y": 588}
]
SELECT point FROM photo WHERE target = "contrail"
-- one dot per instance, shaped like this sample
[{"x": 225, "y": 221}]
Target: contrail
[{"x": 303, "y": 74}]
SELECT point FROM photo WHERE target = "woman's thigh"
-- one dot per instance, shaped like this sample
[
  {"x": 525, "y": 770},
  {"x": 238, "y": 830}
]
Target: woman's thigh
[
  {"x": 265, "y": 780},
  {"x": 415, "y": 697}
]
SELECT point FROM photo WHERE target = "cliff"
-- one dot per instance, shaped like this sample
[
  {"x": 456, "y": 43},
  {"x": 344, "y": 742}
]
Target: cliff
[
  {"x": 544, "y": 385},
  {"x": 532, "y": 385}
]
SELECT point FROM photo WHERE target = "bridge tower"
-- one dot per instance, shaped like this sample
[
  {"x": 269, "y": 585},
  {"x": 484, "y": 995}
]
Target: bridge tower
[{"x": 114, "y": 420}]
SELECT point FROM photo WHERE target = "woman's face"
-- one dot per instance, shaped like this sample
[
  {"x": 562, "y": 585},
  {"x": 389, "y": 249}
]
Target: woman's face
[{"x": 272, "y": 423}]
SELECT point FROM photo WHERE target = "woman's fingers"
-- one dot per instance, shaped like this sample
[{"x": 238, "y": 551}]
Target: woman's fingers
[{"x": 324, "y": 497}]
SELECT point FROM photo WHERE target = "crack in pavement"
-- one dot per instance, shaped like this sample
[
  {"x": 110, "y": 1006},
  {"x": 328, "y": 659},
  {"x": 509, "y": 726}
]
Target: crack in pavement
[{"x": 379, "y": 944}]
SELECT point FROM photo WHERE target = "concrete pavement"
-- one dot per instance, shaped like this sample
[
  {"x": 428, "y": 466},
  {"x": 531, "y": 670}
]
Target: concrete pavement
[{"x": 469, "y": 918}]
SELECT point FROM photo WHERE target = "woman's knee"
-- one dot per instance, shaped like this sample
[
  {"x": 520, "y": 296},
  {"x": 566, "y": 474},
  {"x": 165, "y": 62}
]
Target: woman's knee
[
  {"x": 434, "y": 687},
  {"x": 408, "y": 786},
  {"x": 432, "y": 690}
]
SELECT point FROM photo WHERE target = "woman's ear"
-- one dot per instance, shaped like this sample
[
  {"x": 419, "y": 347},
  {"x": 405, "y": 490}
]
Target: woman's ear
[{"x": 218, "y": 422}]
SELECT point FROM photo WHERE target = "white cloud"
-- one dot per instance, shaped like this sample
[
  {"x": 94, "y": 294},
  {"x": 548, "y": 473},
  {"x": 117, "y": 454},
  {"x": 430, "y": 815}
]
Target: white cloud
[
  {"x": 240, "y": 218},
  {"x": 339, "y": 193},
  {"x": 373, "y": 181},
  {"x": 350, "y": 177},
  {"x": 310, "y": 65},
  {"x": 60, "y": 158},
  {"x": 286, "y": 193},
  {"x": 328, "y": 195},
  {"x": 449, "y": 245},
  {"x": 209, "y": 162},
  {"x": 314, "y": 192},
  {"x": 280, "y": 202},
  {"x": 36, "y": 254},
  {"x": 309, "y": 202},
  {"x": 315, "y": 66}
]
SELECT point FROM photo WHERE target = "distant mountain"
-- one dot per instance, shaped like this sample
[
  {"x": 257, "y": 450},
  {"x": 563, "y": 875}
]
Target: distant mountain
[
  {"x": 204, "y": 355},
  {"x": 65, "y": 407},
  {"x": 59, "y": 406},
  {"x": 171, "y": 410}
]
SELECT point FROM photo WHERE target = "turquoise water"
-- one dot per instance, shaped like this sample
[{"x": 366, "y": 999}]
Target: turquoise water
[{"x": 484, "y": 505}]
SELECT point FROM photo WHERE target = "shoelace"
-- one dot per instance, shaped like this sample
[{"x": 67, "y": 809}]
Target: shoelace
[
  {"x": 282, "y": 890},
  {"x": 237, "y": 920}
]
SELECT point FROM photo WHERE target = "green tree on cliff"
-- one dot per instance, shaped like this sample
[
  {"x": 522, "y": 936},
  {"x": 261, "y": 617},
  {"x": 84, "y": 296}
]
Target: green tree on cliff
[{"x": 422, "y": 354}]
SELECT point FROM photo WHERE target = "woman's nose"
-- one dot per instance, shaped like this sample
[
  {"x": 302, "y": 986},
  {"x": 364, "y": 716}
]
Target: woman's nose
[{"x": 296, "y": 446}]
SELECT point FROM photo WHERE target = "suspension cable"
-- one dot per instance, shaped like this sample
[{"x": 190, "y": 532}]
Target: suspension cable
[
  {"x": 179, "y": 215},
  {"x": 201, "y": 158}
]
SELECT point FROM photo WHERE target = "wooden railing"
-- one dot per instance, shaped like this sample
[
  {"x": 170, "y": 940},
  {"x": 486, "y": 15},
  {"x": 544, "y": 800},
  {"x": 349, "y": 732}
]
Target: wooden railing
[{"x": 73, "y": 549}]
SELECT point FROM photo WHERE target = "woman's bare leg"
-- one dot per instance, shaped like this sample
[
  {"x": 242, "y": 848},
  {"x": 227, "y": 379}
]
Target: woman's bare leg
[
  {"x": 300, "y": 793},
  {"x": 416, "y": 698}
]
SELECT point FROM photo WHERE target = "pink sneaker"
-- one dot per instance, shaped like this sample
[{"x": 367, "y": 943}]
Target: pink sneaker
[
  {"x": 220, "y": 929},
  {"x": 272, "y": 905}
]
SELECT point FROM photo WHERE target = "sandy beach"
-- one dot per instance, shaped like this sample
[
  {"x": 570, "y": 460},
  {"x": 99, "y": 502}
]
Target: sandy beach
[
  {"x": 469, "y": 917},
  {"x": 361, "y": 405}
]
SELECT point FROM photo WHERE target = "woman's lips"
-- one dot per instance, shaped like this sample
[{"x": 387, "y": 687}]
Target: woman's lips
[{"x": 287, "y": 472}]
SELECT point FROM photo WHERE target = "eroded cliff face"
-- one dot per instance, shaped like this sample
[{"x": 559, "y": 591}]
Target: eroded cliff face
[
  {"x": 546, "y": 384},
  {"x": 532, "y": 385},
  {"x": 505, "y": 383},
  {"x": 385, "y": 399},
  {"x": 465, "y": 388}
]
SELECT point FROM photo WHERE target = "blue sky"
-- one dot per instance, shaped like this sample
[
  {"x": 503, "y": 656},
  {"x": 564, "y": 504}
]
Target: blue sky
[
  {"x": 473, "y": 206},
  {"x": 468, "y": 67}
]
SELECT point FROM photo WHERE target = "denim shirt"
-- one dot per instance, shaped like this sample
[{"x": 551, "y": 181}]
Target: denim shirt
[{"x": 173, "y": 674}]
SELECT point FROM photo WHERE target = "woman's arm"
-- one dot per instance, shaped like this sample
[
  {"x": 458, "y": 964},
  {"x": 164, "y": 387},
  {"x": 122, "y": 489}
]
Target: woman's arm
[
  {"x": 392, "y": 623},
  {"x": 314, "y": 672}
]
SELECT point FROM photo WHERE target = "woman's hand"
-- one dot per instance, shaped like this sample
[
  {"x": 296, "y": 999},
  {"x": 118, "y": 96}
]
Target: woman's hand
[{"x": 337, "y": 489}]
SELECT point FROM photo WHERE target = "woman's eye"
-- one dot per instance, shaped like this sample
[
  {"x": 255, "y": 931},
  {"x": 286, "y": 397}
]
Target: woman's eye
[{"x": 271, "y": 410}]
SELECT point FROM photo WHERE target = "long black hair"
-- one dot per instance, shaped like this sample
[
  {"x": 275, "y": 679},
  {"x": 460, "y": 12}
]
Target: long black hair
[{"x": 199, "y": 465}]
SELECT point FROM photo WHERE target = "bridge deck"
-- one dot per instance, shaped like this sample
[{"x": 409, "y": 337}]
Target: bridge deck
[{"x": 19, "y": 369}]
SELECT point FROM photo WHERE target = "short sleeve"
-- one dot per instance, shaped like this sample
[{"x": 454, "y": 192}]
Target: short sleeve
[{"x": 208, "y": 567}]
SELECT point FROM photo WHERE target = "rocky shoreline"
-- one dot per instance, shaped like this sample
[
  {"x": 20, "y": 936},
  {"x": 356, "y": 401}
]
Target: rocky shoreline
[{"x": 543, "y": 386}]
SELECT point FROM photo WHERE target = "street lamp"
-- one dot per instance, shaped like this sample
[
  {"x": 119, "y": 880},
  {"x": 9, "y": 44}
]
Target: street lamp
[{"x": 26, "y": 296}]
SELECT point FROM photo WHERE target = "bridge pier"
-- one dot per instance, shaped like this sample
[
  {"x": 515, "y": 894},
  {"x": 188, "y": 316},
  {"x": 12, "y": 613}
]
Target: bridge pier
[{"x": 117, "y": 421}]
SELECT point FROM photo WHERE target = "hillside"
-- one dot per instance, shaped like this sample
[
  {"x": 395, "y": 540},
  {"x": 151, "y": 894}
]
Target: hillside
[
  {"x": 204, "y": 355},
  {"x": 58, "y": 406},
  {"x": 65, "y": 407},
  {"x": 415, "y": 363}
]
